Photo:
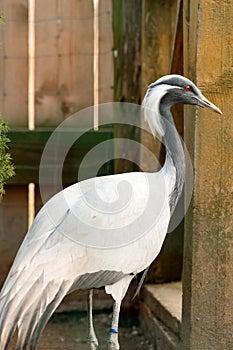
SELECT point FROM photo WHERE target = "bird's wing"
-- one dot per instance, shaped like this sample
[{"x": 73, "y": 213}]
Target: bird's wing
[
  {"x": 85, "y": 210},
  {"x": 57, "y": 256}
]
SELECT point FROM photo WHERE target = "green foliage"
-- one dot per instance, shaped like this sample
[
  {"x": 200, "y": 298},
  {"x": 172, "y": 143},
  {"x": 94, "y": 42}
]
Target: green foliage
[{"x": 6, "y": 166}]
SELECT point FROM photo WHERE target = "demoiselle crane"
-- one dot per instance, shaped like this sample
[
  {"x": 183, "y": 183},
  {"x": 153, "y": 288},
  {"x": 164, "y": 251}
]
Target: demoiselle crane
[{"x": 50, "y": 264}]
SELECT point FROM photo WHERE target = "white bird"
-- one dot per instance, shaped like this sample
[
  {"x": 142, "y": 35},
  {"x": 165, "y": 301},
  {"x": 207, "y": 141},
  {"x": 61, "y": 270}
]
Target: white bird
[{"x": 52, "y": 262}]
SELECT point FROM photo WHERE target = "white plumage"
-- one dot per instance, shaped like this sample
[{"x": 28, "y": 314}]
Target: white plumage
[{"x": 100, "y": 232}]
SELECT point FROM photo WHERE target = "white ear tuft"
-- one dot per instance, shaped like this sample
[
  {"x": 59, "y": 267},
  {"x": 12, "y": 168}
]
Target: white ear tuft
[{"x": 151, "y": 104}]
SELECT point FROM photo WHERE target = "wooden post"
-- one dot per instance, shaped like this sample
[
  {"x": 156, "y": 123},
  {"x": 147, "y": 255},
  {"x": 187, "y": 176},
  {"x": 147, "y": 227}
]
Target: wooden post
[
  {"x": 127, "y": 69},
  {"x": 162, "y": 54},
  {"x": 208, "y": 254},
  {"x": 157, "y": 36},
  {"x": 13, "y": 108}
]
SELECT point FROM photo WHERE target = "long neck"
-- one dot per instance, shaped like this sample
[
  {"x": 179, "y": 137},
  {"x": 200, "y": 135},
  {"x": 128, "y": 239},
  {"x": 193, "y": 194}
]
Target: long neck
[
  {"x": 157, "y": 105},
  {"x": 174, "y": 166}
]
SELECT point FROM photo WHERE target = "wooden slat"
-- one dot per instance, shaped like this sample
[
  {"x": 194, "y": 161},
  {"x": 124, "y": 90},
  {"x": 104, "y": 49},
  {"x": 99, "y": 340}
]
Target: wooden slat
[
  {"x": 176, "y": 63},
  {"x": 127, "y": 65},
  {"x": 27, "y": 146},
  {"x": 13, "y": 52},
  {"x": 13, "y": 225},
  {"x": 106, "y": 52},
  {"x": 64, "y": 59},
  {"x": 159, "y": 21},
  {"x": 158, "y": 25},
  {"x": 160, "y": 314},
  {"x": 64, "y": 85},
  {"x": 208, "y": 282},
  {"x": 159, "y": 335}
]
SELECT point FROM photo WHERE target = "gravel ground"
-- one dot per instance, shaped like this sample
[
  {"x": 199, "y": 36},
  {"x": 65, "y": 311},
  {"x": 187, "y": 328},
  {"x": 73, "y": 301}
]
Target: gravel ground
[{"x": 68, "y": 331}]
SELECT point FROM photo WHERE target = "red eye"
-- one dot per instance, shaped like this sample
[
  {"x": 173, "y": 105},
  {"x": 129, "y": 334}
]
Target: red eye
[{"x": 187, "y": 88}]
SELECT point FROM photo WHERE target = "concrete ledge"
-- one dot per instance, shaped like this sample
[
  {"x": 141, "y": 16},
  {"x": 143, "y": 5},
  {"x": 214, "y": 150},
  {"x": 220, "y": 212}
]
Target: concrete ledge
[{"x": 160, "y": 314}]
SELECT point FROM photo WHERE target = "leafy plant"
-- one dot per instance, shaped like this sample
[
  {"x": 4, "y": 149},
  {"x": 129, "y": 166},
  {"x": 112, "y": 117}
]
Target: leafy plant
[{"x": 6, "y": 166}]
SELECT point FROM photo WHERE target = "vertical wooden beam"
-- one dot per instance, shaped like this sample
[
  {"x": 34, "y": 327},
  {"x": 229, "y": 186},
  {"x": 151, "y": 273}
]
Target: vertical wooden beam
[
  {"x": 159, "y": 27},
  {"x": 13, "y": 225},
  {"x": 31, "y": 64},
  {"x": 64, "y": 59},
  {"x": 127, "y": 67},
  {"x": 127, "y": 50},
  {"x": 31, "y": 97},
  {"x": 176, "y": 63},
  {"x": 106, "y": 52},
  {"x": 96, "y": 64},
  {"x": 161, "y": 31},
  {"x": 208, "y": 254},
  {"x": 14, "y": 62},
  {"x": 13, "y": 108}
]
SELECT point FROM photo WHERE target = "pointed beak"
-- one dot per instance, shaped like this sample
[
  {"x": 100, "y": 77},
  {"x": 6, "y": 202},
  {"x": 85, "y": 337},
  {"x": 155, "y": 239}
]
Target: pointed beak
[{"x": 205, "y": 103}]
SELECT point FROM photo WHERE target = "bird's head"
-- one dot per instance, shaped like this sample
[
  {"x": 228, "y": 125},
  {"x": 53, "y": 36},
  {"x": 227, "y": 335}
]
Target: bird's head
[{"x": 168, "y": 91}]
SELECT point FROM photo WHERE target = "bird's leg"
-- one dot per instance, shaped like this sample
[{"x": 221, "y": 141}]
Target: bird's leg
[
  {"x": 91, "y": 337},
  {"x": 113, "y": 343}
]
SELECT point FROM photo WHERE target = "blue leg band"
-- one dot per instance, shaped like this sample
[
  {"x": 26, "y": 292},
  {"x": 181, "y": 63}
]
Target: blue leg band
[{"x": 113, "y": 330}]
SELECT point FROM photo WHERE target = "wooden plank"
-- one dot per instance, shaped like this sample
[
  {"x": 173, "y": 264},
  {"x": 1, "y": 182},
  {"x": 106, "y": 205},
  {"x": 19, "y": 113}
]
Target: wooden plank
[
  {"x": 159, "y": 25},
  {"x": 26, "y": 148},
  {"x": 157, "y": 34},
  {"x": 106, "y": 52},
  {"x": 13, "y": 91},
  {"x": 64, "y": 59},
  {"x": 127, "y": 35},
  {"x": 176, "y": 63},
  {"x": 14, "y": 77},
  {"x": 158, "y": 334},
  {"x": 127, "y": 66},
  {"x": 13, "y": 219},
  {"x": 165, "y": 303},
  {"x": 208, "y": 261}
]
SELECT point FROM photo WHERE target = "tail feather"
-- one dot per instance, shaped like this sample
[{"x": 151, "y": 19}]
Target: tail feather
[
  {"x": 63, "y": 290},
  {"x": 13, "y": 308},
  {"x": 29, "y": 318},
  {"x": 29, "y": 310},
  {"x": 31, "y": 327},
  {"x": 25, "y": 333}
]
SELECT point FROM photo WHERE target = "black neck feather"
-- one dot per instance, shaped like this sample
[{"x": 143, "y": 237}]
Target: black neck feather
[{"x": 175, "y": 157}]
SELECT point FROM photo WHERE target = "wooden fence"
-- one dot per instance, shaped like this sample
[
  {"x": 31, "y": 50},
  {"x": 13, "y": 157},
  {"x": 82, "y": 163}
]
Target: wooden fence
[
  {"x": 64, "y": 82},
  {"x": 56, "y": 58},
  {"x": 151, "y": 38}
]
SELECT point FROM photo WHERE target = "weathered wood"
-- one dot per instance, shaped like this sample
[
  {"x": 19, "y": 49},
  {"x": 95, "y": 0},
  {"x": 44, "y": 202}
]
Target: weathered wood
[
  {"x": 164, "y": 301},
  {"x": 14, "y": 64},
  {"x": 13, "y": 226},
  {"x": 106, "y": 76},
  {"x": 63, "y": 85},
  {"x": 176, "y": 62},
  {"x": 13, "y": 91},
  {"x": 127, "y": 67},
  {"x": 208, "y": 261},
  {"x": 127, "y": 35},
  {"x": 159, "y": 335},
  {"x": 27, "y": 147},
  {"x": 159, "y": 23},
  {"x": 161, "y": 27},
  {"x": 64, "y": 59}
]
